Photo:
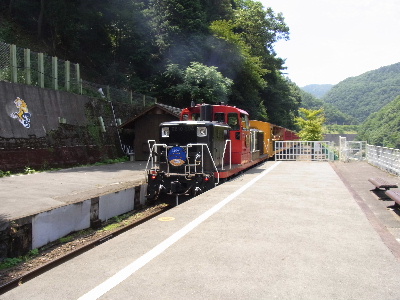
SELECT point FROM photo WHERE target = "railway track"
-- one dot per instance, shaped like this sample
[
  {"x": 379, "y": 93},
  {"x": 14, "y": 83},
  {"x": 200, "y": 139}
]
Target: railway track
[{"x": 79, "y": 250}]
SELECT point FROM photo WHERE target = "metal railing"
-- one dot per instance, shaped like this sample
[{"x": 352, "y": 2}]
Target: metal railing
[
  {"x": 19, "y": 65},
  {"x": 304, "y": 150},
  {"x": 197, "y": 165},
  {"x": 387, "y": 159},
  {"x": 351, "y": 150}
]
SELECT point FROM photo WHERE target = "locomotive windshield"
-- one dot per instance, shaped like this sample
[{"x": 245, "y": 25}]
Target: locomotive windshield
[
  {"x": 245, "y": 121},
  {"x": 233, "y": 121}
]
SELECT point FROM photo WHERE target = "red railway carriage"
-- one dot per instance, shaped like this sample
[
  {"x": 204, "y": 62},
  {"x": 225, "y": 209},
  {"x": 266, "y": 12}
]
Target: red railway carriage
[
  {"x": 209, "y": 144},
  {"x": 236, "y": 118},
  {"x": 290, "y": 135}
]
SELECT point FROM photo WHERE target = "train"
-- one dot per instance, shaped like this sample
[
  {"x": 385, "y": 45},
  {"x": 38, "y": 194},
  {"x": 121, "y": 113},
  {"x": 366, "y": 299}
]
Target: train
[{"x": 207, "y": 146}]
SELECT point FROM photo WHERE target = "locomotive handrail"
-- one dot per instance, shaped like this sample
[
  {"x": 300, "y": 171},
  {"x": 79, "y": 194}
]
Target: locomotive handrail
[
  {"x": 202, "y": 145},
  {"x": 195, "y": 164},
  {"x": 151, "y": 147},
  {"x": 230, "y": 155},
  {"x": 209, "y": 152},
  {"x": 151, "y": 156}
]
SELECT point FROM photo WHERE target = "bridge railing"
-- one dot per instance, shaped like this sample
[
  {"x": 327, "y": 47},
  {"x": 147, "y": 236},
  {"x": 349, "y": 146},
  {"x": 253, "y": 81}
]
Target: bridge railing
[{"x": 387, "y": 159}]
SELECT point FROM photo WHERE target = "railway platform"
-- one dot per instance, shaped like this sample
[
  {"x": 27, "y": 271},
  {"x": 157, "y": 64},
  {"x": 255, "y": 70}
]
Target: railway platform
[
  {"x": 26, "y": 195},
  {"x": 46, "y": 206},
  {"x": 283, "y": 230}
]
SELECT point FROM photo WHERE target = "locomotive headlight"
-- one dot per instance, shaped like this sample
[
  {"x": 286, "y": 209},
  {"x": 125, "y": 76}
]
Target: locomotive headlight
[
  {"x": 165, "y": 132},
  {"x": 201, "y": 131}
]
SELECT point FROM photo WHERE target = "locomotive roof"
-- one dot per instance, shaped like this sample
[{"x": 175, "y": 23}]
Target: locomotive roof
[
  {"x": 219, "y": 107},
  {"x": 190, "y": 122}
]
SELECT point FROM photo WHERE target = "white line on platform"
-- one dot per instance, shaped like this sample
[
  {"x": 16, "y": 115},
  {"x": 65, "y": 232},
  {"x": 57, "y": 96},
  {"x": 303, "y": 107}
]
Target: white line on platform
[{"x": 116, "y": 279}]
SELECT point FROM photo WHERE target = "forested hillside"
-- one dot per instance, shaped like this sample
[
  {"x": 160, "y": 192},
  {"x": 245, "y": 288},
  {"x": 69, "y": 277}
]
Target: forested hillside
[
  {"x": 174, "y": 50},
  {"x": 383, "y": 127},
  {"x": 332, "y": 114},
  {"x": 365, "y": 94},
  {"x": 317, "y": 90}
]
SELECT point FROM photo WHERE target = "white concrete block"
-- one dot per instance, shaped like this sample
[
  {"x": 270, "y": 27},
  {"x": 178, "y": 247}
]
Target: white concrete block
[
  {"x": 143, "y": 193},
  {"x": 116, "y": 203},
  {"x": 56, "y": 223}
]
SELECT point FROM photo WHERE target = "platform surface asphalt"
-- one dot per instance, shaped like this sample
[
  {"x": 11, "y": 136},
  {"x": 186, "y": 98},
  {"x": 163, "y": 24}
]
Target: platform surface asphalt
[
  {"x": 283, "y": 230},
  {"x": 25, "y": 195}
]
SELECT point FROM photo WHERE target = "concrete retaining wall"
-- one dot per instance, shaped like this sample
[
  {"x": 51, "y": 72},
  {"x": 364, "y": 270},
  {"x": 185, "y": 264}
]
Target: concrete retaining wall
[
  {"x": 54, "y": 224},
  {"x": 44, "y": 128},
  {"x": 59, "y": 222},
  {"x": 20, "y": 236}
]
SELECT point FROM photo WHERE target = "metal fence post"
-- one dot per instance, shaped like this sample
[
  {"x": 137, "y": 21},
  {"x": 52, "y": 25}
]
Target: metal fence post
[
  {"x": 13, "y": 63},
  {"x": 78, "y": 78},
  {"x": 27, "y": 65},
  {"x": 108, "y": 96},
  {"x": 41, "y": 70},
  {"x": 12, "y": 72},
  {"x": 54, "y": 70},
  {"x": 67, "y": 66}
]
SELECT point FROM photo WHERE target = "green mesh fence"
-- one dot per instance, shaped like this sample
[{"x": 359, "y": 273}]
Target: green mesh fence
[{"x": 30, "y": 71}]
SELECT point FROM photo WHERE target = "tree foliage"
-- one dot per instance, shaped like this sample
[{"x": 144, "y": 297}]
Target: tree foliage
[
  {"x": 365, "y": 94},
  {"x": 197, "y": 83},
  {"x": 175, "y": 50},
  {"x": 332, "y": 114},
  {"x": 382, "y": 128},
  {"x": 310, "y": 123}
]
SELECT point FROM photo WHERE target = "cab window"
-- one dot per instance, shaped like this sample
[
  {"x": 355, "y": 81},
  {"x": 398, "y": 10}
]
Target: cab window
[
  {"x": 233, "y": 121},
  {"x": 245, "y": 121},
  {"x": 219, "y": 117},
  {"x": 195, "y": 117}
]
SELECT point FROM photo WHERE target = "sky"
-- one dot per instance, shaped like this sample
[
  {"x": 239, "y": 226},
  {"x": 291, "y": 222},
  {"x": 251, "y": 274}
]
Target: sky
[{"x": 331, "y": 40}]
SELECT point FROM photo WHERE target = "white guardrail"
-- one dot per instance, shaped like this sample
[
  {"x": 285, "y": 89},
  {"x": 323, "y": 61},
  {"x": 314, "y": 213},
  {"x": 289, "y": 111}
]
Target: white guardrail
[
  {"x": 304, "y": 150},
  {"x": 387, "y": 159}
]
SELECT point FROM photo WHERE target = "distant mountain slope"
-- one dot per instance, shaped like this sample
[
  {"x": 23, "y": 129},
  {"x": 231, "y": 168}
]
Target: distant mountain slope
[
  {"x": 317, "y": 90},
  {"x": 383, "y": 127},
  {"x": 333, "y": 114},
  {"x": 367, "y": 93}
]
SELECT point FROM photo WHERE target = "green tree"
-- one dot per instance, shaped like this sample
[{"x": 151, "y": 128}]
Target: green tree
[
  {"x": 367, "y": 93},
  {"x": 383, "y": 127},
  {"x": 310, "y": 123},
  {"x": 197, "y": 83},
  {"x": 149, "y": 47},
  {"x": 282, "y": 100},
  {"x": 247, "y": 54}
]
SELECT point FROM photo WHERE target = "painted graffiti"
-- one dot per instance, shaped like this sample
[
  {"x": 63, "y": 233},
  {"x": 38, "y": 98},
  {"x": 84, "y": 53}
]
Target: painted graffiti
[{"x": 23, "y": 116}]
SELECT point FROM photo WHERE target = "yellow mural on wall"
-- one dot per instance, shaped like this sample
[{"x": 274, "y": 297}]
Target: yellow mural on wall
[{"x": 23, "y": 115}]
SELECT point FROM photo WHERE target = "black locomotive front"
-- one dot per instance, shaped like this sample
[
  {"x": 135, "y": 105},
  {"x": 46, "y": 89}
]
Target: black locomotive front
[{"x": 187, "y": 157}]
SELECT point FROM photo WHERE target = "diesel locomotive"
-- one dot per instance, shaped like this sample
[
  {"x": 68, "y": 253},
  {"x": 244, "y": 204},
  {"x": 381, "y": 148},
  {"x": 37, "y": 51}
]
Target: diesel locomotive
[{"x": 208, "y": 145}]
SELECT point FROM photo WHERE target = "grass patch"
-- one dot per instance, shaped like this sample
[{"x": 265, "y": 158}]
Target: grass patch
[
  {"x": 29, "y": 170},
  {"x": 5, "y": 173},
  {"x": 112, "y": 224},
  {"x": 11, "y": 262}
]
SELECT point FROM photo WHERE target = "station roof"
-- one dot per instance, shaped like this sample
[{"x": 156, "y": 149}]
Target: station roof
[{"x": 156, "y": 109}]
